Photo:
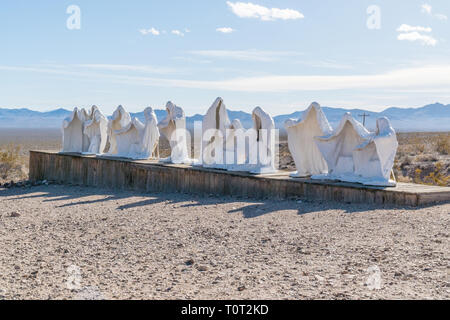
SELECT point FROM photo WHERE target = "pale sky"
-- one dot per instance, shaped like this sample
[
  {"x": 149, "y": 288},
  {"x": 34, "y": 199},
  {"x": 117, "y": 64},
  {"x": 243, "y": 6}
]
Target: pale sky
[{"x": 280, "y": 55}]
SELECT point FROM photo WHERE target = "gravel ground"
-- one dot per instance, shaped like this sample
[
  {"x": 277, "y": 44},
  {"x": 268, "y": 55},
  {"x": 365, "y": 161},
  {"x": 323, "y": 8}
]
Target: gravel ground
[{"x": 62, "y": 242}]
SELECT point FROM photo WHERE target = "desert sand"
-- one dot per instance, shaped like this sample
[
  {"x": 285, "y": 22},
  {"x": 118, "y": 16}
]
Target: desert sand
[{"x": 70, "y": 242}]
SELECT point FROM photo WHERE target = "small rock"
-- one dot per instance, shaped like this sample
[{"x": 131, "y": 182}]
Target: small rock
[
  {"x": 202, "y": 268},
  {"x": 14, "y": 215},
  {"x": 242, "y": 288},
  {"x": 189, "y": 262},
  {"x": 319, "y": 278}
]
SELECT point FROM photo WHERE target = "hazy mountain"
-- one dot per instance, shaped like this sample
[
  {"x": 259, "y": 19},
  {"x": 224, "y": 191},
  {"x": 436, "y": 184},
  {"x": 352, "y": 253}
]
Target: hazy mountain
[{"x": 433, "y": 117}]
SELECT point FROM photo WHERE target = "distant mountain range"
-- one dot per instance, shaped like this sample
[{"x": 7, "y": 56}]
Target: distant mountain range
[{"x": 433, "y": 117}]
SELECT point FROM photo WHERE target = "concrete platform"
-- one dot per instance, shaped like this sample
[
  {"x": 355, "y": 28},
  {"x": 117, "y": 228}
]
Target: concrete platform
[{"x": 151, "y": 176}]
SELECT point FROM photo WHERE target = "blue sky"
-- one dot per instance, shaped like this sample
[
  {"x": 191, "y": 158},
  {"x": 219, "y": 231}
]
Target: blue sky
[{"x": 280, "y": 55}]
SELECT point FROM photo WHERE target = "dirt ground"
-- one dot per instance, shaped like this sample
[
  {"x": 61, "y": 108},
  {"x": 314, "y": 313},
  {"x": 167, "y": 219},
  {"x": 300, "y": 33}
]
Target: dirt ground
[{"x": 67, "y": 242}]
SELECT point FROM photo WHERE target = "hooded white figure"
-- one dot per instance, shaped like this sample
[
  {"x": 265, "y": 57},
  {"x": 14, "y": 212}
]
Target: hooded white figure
[
  {"x": 236, "y": 146},
  {"x": 375, "y": 157},
  {"x": 96, "y": 130},
  {"x": 353, "y": 153},
  {"x": 129, "y": 139},
  {"x": 173, "y": 128},
  {"x": 149, "y": 137},
  {"x": 74, "y": 139},
  {"x": 120, "y": 119},
  {"x": 214, "y": 135},
  {"x": 301, "y": 133},
  {"x": 261, "y": 155}
]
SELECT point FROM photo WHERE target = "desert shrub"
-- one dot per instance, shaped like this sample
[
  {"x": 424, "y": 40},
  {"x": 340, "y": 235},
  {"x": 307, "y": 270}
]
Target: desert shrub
[
  {"x": 443, "y": 144},
  {"x": 437, "y": 178},
  {"x": 417, "y": 176},
  {"x": 9, "y": 160},
  {"x": 426, "y": 158}
]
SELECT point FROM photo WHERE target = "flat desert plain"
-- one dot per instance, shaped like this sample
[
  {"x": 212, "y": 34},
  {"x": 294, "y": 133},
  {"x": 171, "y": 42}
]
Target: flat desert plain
[{"x": 68, "y": 242}]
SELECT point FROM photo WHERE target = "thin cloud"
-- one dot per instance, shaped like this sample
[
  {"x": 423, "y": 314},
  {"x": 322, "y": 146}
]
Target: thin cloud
[
  {"x": 430, "y": 77},
  {"x": 225, "y": 30},
  {"x": 178, "y": 33},
  {"x": 421, "y": 38},
  {"x": 152, "y": 31},
  {"x": 245, "y": 55},
  {"x": 428, "y": 9},
  {"x": 129, "y": 68},
  {"x": 250, "y": 10},
  {"x": 408, "y": 28}
]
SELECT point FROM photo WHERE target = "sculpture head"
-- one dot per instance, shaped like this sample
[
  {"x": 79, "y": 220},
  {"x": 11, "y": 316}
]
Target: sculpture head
[
  {"x": 150, "y": 115},
  {"x": 384, "y": 126}
]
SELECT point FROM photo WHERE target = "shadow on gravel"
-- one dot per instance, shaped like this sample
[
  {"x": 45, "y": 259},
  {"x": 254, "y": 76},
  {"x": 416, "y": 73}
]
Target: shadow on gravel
[{"x": 250, "y": 208}]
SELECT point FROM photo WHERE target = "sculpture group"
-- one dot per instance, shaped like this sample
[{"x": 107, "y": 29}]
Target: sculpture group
[{"x": 348, "y": 153}]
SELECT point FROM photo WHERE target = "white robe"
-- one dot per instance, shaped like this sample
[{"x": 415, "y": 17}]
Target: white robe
[
  {"x": 374, "y": 159},
  {"x": 96, "y": 131},
  {"x": 129, "y": 140},
  {"x": 301, "y": 133},
  {"x": 149, "y": 136},
  {"x": 173, "y": 128},
  {"x": 120, "y": 119},
  {"x": 264, "y": 160},
  {"x": 214, "y": 135},
  {"x": 354, "y": 154},
  {"x": 74, "y": 139}
]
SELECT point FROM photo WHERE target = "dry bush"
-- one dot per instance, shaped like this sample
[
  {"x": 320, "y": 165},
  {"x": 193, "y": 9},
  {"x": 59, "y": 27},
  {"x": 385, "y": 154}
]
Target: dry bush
[
  {"x": 443, "y": 144},
  {"x": 437, "y": 178},
  {"x": 9, "y": 161}
]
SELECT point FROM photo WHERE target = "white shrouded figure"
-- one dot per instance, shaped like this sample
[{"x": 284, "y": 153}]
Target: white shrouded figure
[
  {"x": 307, "y": 156},
  {"x": 138, "y": 141},
  {"x": 337, "y": 148},
  {"x": 354, "y": 154},
  {"x": 173, "y": 128},
  {"x": 149, "y": 136},
  {"x": 214, "y": 134},
  {"x": 236, "y": 146},
  {"x": 96, "y": 130},
  {"x": 128, "y": 139},
  {"x": 374, "y": 159},
  {"x": 120, "y": 119},
  {"x": 74, "y": 139},
  {"x": 264, "y": 128}
]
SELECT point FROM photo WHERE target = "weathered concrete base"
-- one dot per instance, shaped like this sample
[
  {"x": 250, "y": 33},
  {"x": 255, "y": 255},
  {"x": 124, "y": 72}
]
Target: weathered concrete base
[{"x": 150, "y": 176}]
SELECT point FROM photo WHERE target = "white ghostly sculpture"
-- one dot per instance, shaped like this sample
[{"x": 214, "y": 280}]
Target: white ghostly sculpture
[
  {"x": 264, "y": 128},
  {"x": 95, "y": 129},
  {"x": 173, "y": 128},
  {"x": 353, "y": 154},
  {"x": 236, "y": 146},
  {"x": 375, "y": 157},
  {"x": 214, "y": 134},
  {"x": 307, "y": 156},
  {"x": 150, "y": 136},
  {"x": 74, "y": 137},
  {"x": 120, "y": 119},
  {"x": 138, "y": 141}
]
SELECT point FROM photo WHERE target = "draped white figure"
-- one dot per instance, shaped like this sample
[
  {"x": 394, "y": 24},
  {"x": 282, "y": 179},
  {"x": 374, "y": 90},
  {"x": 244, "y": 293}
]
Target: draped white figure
[
  {"x": 149, "y": 137},
  {"x": 119, "y": 120},
  {"x": 74, "y": 139},
  {"x": 96, "y": 130},
  {"x": 236, "y": 146},
  {"x": 173, "y": 128},
  {"x": 354, "y": 154},
  {"x": 139, "y": 141},
  {"x": 337, "y": 148},
  {"x": 307, "y": 156},
  {"x": 374, "y": 158},
  {"x": 262, "y": 158},
  {"x": 214, "y": 134}
]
